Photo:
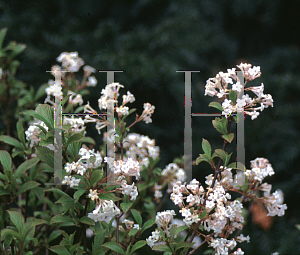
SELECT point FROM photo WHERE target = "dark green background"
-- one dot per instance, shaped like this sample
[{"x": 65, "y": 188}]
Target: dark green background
[{"x": 150, "y": 41}]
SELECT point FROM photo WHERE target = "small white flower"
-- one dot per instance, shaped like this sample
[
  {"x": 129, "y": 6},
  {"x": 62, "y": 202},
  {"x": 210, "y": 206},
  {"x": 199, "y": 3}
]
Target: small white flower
[
  {"x": 88, "y": 70},
  {"x": 92, "y": 82}
]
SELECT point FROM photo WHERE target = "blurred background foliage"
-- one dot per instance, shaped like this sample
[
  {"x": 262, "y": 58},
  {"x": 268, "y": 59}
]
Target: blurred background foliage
[{"x": 149, "y": 41}]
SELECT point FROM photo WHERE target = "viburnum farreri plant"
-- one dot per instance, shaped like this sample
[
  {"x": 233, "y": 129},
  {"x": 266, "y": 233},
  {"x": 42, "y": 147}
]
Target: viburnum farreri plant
[{"x": 110, "y": 218}]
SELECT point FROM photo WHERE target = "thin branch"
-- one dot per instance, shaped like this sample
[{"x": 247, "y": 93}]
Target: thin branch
[
  {"x": 191, "y": 252},
  {"x": 162, "y": 202}
]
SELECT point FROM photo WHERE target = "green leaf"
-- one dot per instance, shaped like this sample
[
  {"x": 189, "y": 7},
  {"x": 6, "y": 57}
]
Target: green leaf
[
  {"x": 236, "y": 118},
  {"x": 40, "y": 92},
  {"x": 6, "y": 232},
  {"x": 181, "y": 245},
  {"x": 27, "y": 186},
  {"x": 227, "y": 159},
  {"x": 210, "y": 251},
  {"x": 12, "y": 141},
  {"x": 204, "y": 157},
  {"x": 29, "y": 228},
  {"x": 58, "y": 191},
  {"x": 180, "y": 229},
  {"x": 61, "y": 218},
  {"x": 46, "y": 155},
  {"x": 25, "y": 166},
  {"x": 173, "y": 230},
  {"x": 228, "y": 137},
  {"x": 78, "y": 194},
  {"x": 64, "y": 100},
  {"x": 237, "y": 165},
  {"x": 20, "y": 47},
  {"x": 132, "y": 232},
  {"x": 114, "y": 246},
  {"x": 220, "y": 153},
  {"x": 126, "y": 206},
  {"x": 216, "y": 105},
  {"x": 17, "y": 219},
  {"x": 68, "y": 201},
  {"x": 96, "y": 177},
  {"x": 54, "y": 235},
  {"x": 4, "y": 191},
  {"x": 297, "y": 226},
  {"x": 232, "y": 96},
  {"x": 3, "y": 32},
  {"x": 89, "y": 140},
  {"x": 60, "y": 249},
  {"x": 47, "y": 113},
  {"x": 206, "y": 146},
  {"x": 203, "y": 214},
  {"x": 161, "y": 247},
  {"x": 148, "y": 224},
  {"x": 39, "y": 192},
  {"x": 220, "y": 125},
  {"x": 137, "y": 216},
  {"x": 5, "y": 159},
  {"x": 109, "y": 196},
  {"x": 44, "y": 131},
  {"x": 87, "y": 220},
  {"x": 138, "y": 245},
  {"x": 99, "y": 239},
  {"x": 20, "y": 131},
  {"x": 75, "y": 138}
]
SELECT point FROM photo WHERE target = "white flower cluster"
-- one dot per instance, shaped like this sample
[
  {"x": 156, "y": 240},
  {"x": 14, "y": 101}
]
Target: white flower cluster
[
  {"x": 110, "y": 93},
  {"x": 106, "y": 208},
  {"x": 140, "y": 147},
  {"x": 72, "y": 181},
  {"x": 122, "y": 168},
  {"x": 221, "y": 82},
  {"x": 77, "y": 124},
  {"x": 130, "y": 190},
  {"x": 222, "y": 246},
  {"x": 162, "y": 219},
  {"x": 33, "y": 132},
  {"x": 70, "y": 61},
  {"x": 148, "y": 110},
  {"x": 220, "y": 212},
  {"x": 174, "y": 173},
  {"x": 274, "y": 203},
  {"x": 80, "y": 167},
  {"x": 130, "y": 224},
  {"x": 261, "y": 168},
  {"x": 87, "y": 154},
  {"x": 77, "y": 100},
  {"x": 128, "y": 167}
]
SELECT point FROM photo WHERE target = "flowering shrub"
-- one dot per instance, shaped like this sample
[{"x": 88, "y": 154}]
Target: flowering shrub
[{"x": 116, "y": 214}]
